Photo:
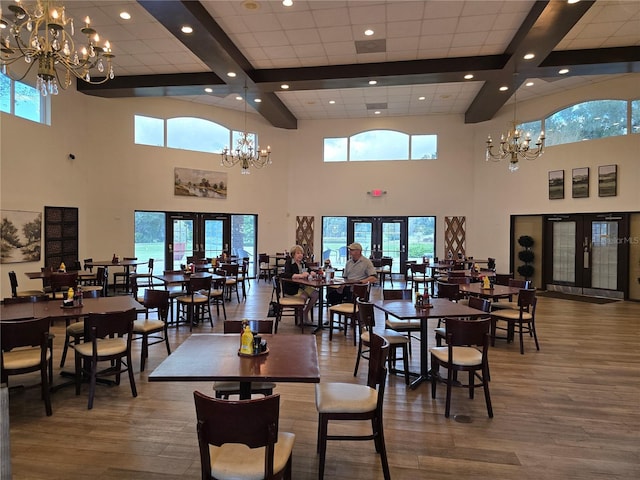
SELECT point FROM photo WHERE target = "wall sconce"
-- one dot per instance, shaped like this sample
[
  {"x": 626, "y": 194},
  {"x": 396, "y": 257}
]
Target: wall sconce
[{"x": 376, "y": 192}]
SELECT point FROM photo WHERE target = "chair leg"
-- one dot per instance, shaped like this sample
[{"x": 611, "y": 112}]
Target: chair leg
[
  {"x": 145, "y": 351},
  {"x": 46, "y": 391},
  {"x": 521, "y": 339},
  {"x": 322, "y": 444},
  {"x": 487, "y": 397},
  {"x": 447, "y": 408},
  {"x": 381, "y": 448},
  {"x": 405, "y": 361},
  {"x": 358, "y": 355},
  {"x": 132, "y": 380},
  {"x": 64, "y": 350},
  {"x": 92, "y": 383}
]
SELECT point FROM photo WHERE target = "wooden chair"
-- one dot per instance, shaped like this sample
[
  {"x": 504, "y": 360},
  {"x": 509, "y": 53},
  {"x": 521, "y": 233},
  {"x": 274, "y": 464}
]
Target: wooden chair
[
  {"x": 243, "y": 276},
  {"x": 386, "y": 267},
  {"x": 123, "y": 274},
  {"x": 13, "y": 280},
  {"x": 265, "y": 270},
  {"x": 397, "y": 341},
  {"x": 347, "y": 312},
  {"x": 175, "y": 291},
  {"x": 449, "y": 290},
  {"x": 511, "y": 303},
  {"x": 25, "y": 348},
  {"x": 462, "y": 355},
  {"x": 524, "y": 319},
  {"x": 225, "y": 430},
  {"x": 292, "y": 306},
  {"x": 230, "y": 271},
  {"x": 353, "y": 402},
  {"x": 108, "y": 338},
  {"x": 217, "y": 296},
  {"x": 153, "y": 329},
  {"x": 418, "y": 277},
  {"x": 60, "y": 283},
  {"x": 225, "y": 389},
  {"x": 409, "y": 327},
  {"x": 75, "y": 330},
  {"x": 195, "y": 306},
  {"x": 503, "y": 278},
  {"x": 474, "y": 302},
  {"x": 146, "y": 278},
  {"x": 98, "y": 283}
]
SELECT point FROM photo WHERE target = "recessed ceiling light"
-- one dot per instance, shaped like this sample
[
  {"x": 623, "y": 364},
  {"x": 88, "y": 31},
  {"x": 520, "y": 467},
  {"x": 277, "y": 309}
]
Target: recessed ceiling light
[
  {"x": 422, "y": 98},
  {"x": 231, "y": 74},
  {"x": 564, "y": 71},
  {"x": 287, "y": 3},
  {"x": 125, "y": 15},
  {"x": 468, "y": 76},
  {"x": 504, "y": 88},
  {"x": 239, "y": 97},
  {"x": 571, "y": 2},
  {"x": 208, "y": 89},
  {"x": 529, "y": 84},
  {"x": 373, "y": 82},
  {"x": 186, "y": 29},
  {"x": 258, "y": 100},
  {"x": 529, "y": 56},
  {"x": 331, "y": 102},
  {"x": 284, "y": 86},
  {"x": 368, "y": 32},
  {"x": 377, "y": 112}
]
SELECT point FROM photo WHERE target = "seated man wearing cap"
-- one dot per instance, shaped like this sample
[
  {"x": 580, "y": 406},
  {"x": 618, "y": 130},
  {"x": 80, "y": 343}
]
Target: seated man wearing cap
[{"x": 358, "y": 269}]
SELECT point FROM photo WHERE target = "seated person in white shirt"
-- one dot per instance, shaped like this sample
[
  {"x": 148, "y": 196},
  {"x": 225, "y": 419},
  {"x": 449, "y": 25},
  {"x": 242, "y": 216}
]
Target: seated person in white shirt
[{"x": 358, "y": 269}]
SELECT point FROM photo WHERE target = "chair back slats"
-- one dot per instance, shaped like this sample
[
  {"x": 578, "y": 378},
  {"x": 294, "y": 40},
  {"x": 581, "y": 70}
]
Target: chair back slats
[
  {"x": 197, "y": 284},
  {"x": 377, "y": 375},
  {"x": 25, "y": 333},
  {"x": 101, "y": 325},
  {"x": 256, "y": 326},
  {"x": 461, "y": 332},
  {"x": 366, "y": 316},
  {"x": 520, "y": 283},
  {"x": 361, "y": 291},
  {"x": 60, "y": 281},
  {"x": 249, "y": 422},
  {"x": 389, "y": 294},
  {"x": 526, "y": 298},
  {"x": 157, "y": 299},
  {"x": 448, "y": 290},
  {"x": 480, "y": 304}
]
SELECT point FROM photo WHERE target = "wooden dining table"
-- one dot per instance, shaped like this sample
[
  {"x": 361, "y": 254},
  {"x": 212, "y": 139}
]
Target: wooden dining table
[
  {"x": 441, "y": 308},
  {"x": 214, "y": 358},
  {"x": 54, "y": 310},
  {"x": 126, "y": 264},
  {"x": 495, "y": 293}
]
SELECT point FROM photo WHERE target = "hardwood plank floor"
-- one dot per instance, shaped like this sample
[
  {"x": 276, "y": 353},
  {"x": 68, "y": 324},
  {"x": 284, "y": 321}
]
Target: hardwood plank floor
[{"x": 569, "y": 411}]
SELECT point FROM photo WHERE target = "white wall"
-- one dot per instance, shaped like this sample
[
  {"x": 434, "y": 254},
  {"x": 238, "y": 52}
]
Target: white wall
[{"x": 111, "y": 177}]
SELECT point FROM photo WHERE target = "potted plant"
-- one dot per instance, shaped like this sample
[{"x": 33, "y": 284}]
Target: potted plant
[{"x": 526, "y": 255}]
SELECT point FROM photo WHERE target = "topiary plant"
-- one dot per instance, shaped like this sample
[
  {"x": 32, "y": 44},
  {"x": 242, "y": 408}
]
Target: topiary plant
[{"x": 526, "y": 255}]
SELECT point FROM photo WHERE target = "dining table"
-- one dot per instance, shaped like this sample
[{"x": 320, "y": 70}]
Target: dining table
[
  {"x": 494, "y": 293},
  {"x": 126, "y": 264},
  {"x": 440, "y": 308},
  {"x": 215, "y": 357},
  {"x": 182, "y": 278},
  {"x": 54, "y": 309}
]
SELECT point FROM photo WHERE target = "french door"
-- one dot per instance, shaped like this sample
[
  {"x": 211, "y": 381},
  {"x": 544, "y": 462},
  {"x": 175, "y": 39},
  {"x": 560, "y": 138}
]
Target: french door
[
  {"x": 200, "y": 235},
  {"x": 586, "y": 254},
  {"x": 380, "y": 237}
]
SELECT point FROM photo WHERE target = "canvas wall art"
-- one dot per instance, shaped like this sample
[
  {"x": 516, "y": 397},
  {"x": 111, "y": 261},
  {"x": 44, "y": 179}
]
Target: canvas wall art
[
  {"x": 556, "y": 184},
  {"x": 20, "y": 234},
  {"x": 190, "y": 182},
  {"x": 580, "y": 182},
  {"x": 607, "y": 180}
]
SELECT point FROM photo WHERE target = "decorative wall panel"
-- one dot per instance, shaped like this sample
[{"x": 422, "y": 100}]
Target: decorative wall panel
[
  {"x": 60, "y": 236},
  {"x": 304, "y": 234},
  {"x": 454, "y": 236}
]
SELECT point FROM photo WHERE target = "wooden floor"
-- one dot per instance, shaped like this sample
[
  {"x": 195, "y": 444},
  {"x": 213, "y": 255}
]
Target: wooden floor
[{"x": 569, "y": 411}]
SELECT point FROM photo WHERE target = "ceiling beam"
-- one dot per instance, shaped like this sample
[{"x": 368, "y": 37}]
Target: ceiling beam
[
  {"x": 543, "y": 29},
  {"x": 214, "y": 47}
]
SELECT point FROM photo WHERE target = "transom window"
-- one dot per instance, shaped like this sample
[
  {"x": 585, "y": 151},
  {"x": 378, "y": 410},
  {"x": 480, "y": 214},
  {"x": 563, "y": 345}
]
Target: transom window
[
  {"x": 380, "y": 145},
  {"x": 23, "y": 100}
]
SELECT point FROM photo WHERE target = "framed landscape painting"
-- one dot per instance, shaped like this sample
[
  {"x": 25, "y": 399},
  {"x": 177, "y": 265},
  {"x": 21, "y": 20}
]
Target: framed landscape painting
[
  {"x": 190, "y": 182},
  {"x": 556, "y": 184},
  {"x": 580, "y": 182},
  {"x": 20, "y": 233},
  {"x": 607, "y": 180}
]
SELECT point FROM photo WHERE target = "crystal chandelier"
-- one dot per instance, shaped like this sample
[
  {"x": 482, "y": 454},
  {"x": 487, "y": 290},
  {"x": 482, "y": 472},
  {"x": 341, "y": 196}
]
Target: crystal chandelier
[
  {"x": 246, "y": 153},
  {"x": 43, "y": 34},
  {"x": 515, "y": 145}
]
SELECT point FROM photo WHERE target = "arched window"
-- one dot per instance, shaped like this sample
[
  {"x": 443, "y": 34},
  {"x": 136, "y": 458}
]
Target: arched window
[
  {"x": 587, "y": 121},
  {"x": 189, "y": 133}
]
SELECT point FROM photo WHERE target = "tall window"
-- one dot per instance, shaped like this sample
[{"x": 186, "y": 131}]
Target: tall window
[
  {"x": 23, "y": 100},
  {"x": 150, "y": 236}
]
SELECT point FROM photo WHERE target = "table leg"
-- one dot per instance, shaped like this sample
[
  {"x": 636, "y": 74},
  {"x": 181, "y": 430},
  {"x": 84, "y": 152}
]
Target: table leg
[
  {"x": 424, "y": 355},
  {"x": 320, "y": 325},
  {"x": 245, "y": 390}
]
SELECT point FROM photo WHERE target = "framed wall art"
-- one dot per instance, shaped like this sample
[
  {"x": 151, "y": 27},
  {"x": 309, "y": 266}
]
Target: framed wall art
[
  {"x": 200, "y": 183},
  {"x": 607, "y": 180},
  {"x": 21, "y": 232},
  {"x": 556, "y": 184},
  {"x": 580, "y": 182}
]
